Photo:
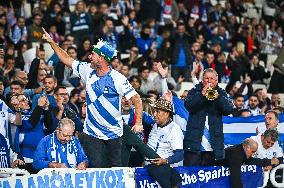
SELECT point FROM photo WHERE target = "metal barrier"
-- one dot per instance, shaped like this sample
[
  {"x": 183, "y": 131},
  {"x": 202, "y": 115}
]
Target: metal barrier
[
  {"x": 12, "y": 172},
  {"x": 272, "y": 176}
]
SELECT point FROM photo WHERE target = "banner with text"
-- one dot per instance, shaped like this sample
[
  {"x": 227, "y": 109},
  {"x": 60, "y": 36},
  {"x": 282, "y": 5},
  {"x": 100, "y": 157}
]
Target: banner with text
[
  {"x": 195, "y": 177},
  {"x": 112, "y": 177}
]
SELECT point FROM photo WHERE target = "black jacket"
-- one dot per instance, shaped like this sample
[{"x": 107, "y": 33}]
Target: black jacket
[
  {"x": 199, "y": 107},
  {"x": 235, "y": 158}
]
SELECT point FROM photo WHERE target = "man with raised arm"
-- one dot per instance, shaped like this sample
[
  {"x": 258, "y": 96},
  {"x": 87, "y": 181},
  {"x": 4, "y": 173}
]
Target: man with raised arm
[{"x": 105, "y": 87}]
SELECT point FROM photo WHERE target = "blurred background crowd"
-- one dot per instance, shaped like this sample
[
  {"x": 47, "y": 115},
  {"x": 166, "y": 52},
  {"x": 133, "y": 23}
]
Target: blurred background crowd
[{"x": 240, "y": 39}]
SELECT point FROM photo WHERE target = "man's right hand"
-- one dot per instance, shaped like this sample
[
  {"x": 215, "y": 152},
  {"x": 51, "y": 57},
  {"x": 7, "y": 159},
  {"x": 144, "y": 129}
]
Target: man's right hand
[
  {"x": 162, "y": 71},
  {"x": 39, "y": 89},
  {"x": 46, "y": 36},
  {"x": 43, "y": 102},
  {"x": 204, "y": 90},
  {"x": 57, "y": 165},
  {"x": 274, "y": 161}
]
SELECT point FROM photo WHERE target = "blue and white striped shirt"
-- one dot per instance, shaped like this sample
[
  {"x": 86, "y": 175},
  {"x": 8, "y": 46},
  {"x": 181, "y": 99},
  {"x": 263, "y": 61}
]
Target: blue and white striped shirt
[
  {"x": 103, "y": 98},
  {"x": 6, "y": 116}
]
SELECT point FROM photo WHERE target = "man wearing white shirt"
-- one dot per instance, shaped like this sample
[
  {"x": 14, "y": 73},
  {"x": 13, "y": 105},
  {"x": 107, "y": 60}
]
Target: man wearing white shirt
[
  {"x": 166, "y": 137},
  {"x": 268, "y": 147}
]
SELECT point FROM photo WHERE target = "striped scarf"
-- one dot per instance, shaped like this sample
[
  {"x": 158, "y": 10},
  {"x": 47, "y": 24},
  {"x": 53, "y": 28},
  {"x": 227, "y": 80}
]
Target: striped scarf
[{"x": 64, "y": 153}]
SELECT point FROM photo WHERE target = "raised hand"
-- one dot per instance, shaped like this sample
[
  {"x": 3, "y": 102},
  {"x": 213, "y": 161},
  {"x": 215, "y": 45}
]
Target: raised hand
[
  {"x": 125, "y": 20},
  {"x": 15, "y": 103},
  {"x": 46, "y": 36},
  {"x": 162, "y": 71},
  {"x": 43, "y": 102},
  {"x": 168, "y": 95}
]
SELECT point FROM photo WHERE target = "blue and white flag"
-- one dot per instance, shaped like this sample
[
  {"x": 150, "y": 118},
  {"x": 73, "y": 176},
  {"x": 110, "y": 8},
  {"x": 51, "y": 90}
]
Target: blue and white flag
[
  {"x": 236, "y": 129},
  {"x": 181, "y": 114}
]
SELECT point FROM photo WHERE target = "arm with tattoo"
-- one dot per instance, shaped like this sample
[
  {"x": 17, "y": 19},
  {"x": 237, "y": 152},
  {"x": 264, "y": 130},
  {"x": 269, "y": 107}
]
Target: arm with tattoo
[
  {"x": 63, "y": 56},
  {"x": 137, "y": 102}
]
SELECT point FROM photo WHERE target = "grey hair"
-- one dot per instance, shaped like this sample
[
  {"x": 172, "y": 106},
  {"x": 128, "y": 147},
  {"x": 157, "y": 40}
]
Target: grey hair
[
  {"x": 211, "y": 70},
  {"x": 272, "y": 133},
  {"x": 249, "y": 142},
  {"x": 63, "y": 122}
]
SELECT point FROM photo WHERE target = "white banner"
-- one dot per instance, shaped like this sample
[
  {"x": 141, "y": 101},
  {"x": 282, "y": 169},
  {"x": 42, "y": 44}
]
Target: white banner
[{"x": 71, "y": 178}]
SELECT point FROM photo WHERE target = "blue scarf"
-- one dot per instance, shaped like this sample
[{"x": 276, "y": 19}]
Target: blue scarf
[
  {"x": 64, "y": 153},
  {"x": 4, "y": 153}
]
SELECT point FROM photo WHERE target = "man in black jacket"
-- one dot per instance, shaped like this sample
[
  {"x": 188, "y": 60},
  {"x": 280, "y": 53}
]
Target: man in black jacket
[
  {"x": 204, "y": 138},
  {"x": 241, "y": 154}
]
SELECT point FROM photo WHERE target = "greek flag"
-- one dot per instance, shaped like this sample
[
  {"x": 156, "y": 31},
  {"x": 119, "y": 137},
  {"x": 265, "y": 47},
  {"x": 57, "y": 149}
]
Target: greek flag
[
  {"x": 205, "y": 143},
  {"x": 236, "y": 129},
  {"x": 181, "y": 114}
]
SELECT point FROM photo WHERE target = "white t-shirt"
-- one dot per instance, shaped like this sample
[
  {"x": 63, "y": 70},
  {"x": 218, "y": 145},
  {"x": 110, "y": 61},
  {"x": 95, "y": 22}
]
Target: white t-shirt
[
  {"x": 262, "y": 153},
  {"x": 103, "y": 98},
  {"x": 164, "y": 140}
]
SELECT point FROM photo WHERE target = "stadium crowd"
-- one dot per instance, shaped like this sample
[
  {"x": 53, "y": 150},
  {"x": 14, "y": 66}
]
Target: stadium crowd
[{"x": 160, "y": 45}]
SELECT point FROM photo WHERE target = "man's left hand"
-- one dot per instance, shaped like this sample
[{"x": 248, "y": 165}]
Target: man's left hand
[
  {"x": 17, "y": 163},
  {"x": 267, "y": 168},
  {"x": 159, "y": 161},
  {"x": 82, "y": 166}
]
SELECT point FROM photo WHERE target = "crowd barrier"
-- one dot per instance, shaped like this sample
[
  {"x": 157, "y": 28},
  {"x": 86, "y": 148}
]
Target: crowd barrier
[{"x": 124, "y": 177}]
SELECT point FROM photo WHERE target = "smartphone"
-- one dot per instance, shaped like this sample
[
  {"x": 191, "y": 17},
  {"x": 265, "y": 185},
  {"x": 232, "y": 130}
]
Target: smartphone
[
  {"x": 113, "y": 10},
  {"x": 150, "y": 160},
  {"x": 1, "y": 46}
]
